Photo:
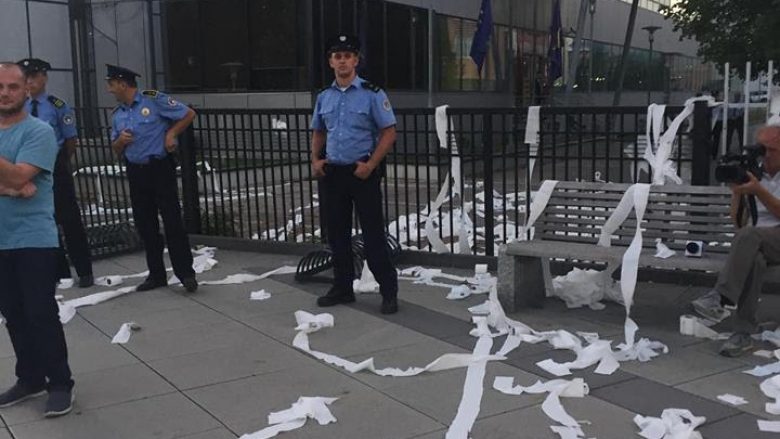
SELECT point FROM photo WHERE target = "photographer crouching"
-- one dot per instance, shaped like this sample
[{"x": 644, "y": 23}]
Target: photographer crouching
[{"x": 754, "y": 247}]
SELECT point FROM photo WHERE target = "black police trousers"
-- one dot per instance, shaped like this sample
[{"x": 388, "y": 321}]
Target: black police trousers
[
  {"x": 153, "y": 190},
  {"x": 28, "y": 279},
  {"x": 68, "y": 216},
  {"x": 342, "y": 189}
]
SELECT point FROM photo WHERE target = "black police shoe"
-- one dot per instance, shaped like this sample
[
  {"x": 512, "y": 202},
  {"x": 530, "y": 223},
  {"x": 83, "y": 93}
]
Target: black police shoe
[
  {"x": 335, "y": 297},
  {"x": 60, "y": 403},
  {"x": 86, "y": 281},
  {"x": 150, "y": 284},
  {"x": 389, "y": 306},
  {"x": 18, "y": 393},
  {"x": 190, "y": 284}
]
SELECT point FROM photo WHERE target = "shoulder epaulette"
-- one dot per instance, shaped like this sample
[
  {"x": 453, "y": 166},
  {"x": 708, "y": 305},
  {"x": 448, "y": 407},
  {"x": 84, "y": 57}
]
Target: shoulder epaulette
[
  {"x": 113, "y": 110},
  {"x": 371, "y": 86},
  {"x": 57, "y": 102},
  {"x": 152, "y": 93}
]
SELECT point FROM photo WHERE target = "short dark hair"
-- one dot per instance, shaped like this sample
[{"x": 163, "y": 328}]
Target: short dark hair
[{"x": 129, "y": 82}]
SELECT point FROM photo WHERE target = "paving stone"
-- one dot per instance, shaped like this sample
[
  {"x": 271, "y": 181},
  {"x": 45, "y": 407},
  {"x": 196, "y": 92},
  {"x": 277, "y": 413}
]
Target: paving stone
[
  {"x": 225, "y": 364},
  {"x": 98, "y": 389},
  {"x": 4, "y": 434},
  {"x": 734, "y": 382},
  {"x": 162, "y": 417},
  {"x": 605, "y": 421},
  {"x": 740, "y": 426},
  {"x": 219, "y": 433},
  {"x": 650, "y": 398},
  {"x": 244, "y": 405},
  {"x": 675, "y": 367},
  {"x": 151, "y": 346},
  {"x": 188, "y": 315}
]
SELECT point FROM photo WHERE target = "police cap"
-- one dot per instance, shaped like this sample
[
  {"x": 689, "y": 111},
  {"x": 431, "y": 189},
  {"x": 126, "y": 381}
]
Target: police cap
[
  {"x": 116, "y": 72},
  {"x": 34, "y": 65},
  {"x": 343, "y": 43}
]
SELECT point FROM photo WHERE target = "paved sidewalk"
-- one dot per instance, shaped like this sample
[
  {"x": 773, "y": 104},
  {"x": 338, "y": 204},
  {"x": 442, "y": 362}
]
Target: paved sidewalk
[{"x": 213, "y": 365}]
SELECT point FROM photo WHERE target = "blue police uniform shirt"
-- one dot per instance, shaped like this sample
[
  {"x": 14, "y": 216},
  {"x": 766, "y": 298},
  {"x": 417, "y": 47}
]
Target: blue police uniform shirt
[
  {"x": 59, "y": 116},
  {"x": 29, "y": 222},
  {"x": 352, "y": 119},
  {"x": 148, "y": 118}
]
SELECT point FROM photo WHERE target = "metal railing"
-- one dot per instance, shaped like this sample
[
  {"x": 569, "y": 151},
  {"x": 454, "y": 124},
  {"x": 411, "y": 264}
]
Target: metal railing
[{"x": 246, "y": 174}]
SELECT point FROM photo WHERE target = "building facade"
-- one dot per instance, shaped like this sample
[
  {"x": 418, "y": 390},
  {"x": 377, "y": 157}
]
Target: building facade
[{"x": 269, "y": 53}]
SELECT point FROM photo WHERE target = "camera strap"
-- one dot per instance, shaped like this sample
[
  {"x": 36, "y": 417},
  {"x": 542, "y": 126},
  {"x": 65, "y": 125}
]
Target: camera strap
[{"x": 751, "y": 201}]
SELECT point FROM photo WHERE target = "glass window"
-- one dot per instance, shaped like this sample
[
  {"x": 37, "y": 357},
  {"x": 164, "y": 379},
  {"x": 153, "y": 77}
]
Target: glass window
[
  {"x": 448, "y": 47},
  {"x": 225, "y": 48}
]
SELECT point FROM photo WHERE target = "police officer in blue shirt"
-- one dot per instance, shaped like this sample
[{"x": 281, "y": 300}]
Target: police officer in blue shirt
[
  {"x": 59, "y": 116},
  {"x": 144, "y": 129},
  {"x": 356, "y": 121}
]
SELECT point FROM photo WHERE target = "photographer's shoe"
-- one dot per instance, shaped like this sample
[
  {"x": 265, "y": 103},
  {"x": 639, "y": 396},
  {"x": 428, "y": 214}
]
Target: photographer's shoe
[
  {"x": 86, "y": 281},
  {"x": 60, "y": 403},
  {"x": 335, "y": 297},
  {"x": 150, "y": 284},
  {"x": 190, "y": 284},
  {"x": 389, "y": 306},
  {"x": 737, "y": 345},
  {"x": 18, "y": 393},
  {"x": 709, "y": 306}
]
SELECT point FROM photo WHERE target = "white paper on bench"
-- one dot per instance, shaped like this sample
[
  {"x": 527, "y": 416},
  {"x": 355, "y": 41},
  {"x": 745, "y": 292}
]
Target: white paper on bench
[
  {"x": 310, "y": 323},
  {"x": 295, "y": 417}
]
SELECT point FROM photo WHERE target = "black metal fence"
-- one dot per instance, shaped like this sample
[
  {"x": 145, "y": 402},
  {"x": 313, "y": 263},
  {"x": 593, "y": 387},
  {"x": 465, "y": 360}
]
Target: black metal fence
[{"x": 245, "y": 173}]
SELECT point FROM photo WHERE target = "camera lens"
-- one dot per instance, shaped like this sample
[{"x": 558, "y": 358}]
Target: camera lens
[{"x": 692, "y": 247}]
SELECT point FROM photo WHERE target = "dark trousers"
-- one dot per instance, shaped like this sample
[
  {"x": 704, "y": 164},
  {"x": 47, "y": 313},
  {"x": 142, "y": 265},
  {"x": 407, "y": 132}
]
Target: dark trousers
[
  {"x": 735, "y": 126},
  {"x": 342, "y": 190},
  {"x": 68, "y": 216},
  {"x": 28, "y": 278},
  {"x": 153, "y": 190}
]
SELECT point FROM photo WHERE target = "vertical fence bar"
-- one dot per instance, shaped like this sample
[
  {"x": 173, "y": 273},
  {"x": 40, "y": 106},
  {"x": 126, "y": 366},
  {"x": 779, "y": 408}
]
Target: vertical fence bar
[
  {"x": 189, "y": 181},
  {"x": 487, "y": 160}
]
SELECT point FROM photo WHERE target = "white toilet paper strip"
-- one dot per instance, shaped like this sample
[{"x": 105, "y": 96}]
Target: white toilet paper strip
[
  {"x": 732, "y": 399},
  {"x": 473, "y": 388},
  {"x": 769, "y": 426},
  {"x": 367, "y": 283},
  {"x": 693, "y": 326},
  {"x": 673, "y": 424},
  {"x": 576, "y": 388},
  {"x": 259, "y": 295},
  {"x": 295, "y": 417},
  {"x": 771, "y": 388},
  {"x": 308, "y": 323},
  {"x": 125, "y": 331}
]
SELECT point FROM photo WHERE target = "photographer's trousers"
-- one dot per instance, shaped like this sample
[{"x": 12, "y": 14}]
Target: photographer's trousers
[
  {"x": 752, "y": 250},
  {"x": 342, "y": 189}
]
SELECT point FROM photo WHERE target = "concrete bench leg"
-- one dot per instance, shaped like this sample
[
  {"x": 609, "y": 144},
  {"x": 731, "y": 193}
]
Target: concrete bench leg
[{"x": 521, "y": 281}]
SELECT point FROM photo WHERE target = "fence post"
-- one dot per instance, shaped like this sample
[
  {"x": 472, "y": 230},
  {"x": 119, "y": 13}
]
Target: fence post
[
  {"x": 189, "y": 181},
  {"x": 487, "y": 160},
  {"x": 702, "y": 145}
]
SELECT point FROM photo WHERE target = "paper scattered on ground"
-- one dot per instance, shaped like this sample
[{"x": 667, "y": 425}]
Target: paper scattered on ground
[
  {"x": 296, "y": 416},
  {"x": 673, "y": 424},
  {"x": 259, "y": 295},
  {"x": 125, "y": 331},
  {"x": 367, "y": 283},
  {"x": 109, "y": 281},
  {"x": 310, "y": 323},
  {"x": 233, "y": 279},
  {"x": 732, "y": 399},
  {"x": 771, "y": 388},
  {"x": 696, "y": 327},
  {"x": 764, "y": 370},
  {"x": 65, "y": 284},
  {"x": 764, "y": 353},
  {"x": 769, "y": 426},
  {"x": 576, "y": 388},
  {"x": 285, "y": 269},
  {"x": 662, "y": 251},
  {"x": 473, "y": 388}
]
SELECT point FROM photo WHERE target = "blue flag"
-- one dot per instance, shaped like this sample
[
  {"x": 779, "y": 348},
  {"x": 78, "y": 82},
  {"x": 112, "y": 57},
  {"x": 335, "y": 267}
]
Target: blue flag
[
  {"x": 481, "y": 41},
  {"x": 556, "y": 44}
]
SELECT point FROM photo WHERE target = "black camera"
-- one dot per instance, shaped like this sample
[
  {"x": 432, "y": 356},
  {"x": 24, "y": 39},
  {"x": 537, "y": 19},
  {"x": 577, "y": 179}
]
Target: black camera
[{"x": 734, "y": 168}]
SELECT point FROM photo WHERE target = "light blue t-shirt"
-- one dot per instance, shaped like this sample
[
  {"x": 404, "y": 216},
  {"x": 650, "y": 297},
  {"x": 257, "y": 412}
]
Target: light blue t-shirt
[{"x": 29, "y": 222}]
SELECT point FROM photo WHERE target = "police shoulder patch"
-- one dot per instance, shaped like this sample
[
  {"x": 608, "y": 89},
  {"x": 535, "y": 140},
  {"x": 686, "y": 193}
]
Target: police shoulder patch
[
  {"x": 152, "y": 93},
  {"x": 57, "y": 102},
  {"x": 371, "y": 86}
]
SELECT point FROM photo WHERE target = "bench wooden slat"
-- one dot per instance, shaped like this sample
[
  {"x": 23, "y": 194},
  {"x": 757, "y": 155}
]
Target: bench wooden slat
[
  {"x": 670, "y": 188},
  {"x": 559, "y": 197},
  {"x": 625, "y": 242},
  {"x": 552, "y": 213},
  {"x": 630, "y": 224}
]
